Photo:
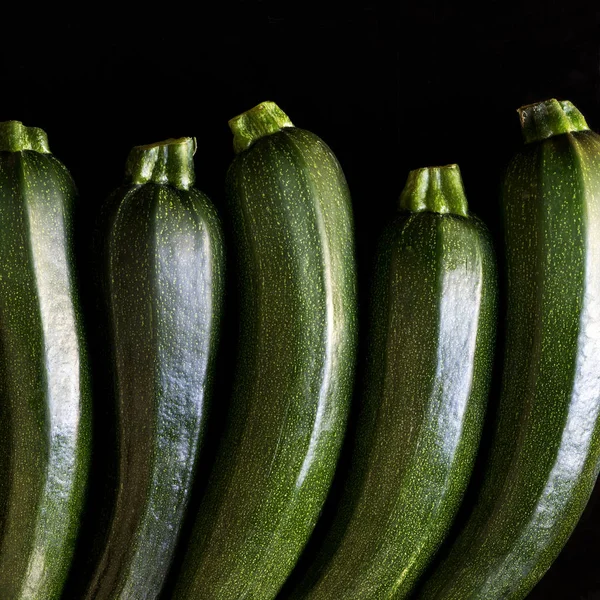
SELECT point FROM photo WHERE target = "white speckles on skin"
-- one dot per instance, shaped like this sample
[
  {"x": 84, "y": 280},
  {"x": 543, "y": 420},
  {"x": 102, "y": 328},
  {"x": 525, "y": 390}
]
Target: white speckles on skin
[
  {"x": 42, "y": 378},
  {"x": 294, "y": 373},
  {"x": 429, "y": 364},
  {"x": 166, "y": 273},
  {"x": 546, "y": 451}
]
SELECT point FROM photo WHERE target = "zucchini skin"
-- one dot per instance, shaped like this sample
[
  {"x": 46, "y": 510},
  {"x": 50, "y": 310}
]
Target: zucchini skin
[
  {"x": 293, "y": 222},
  {"x": 44, "y": 386},
  {"x": 163, "y": 279},
  {"x": 545, "y": 455},
  {"x": 429, "y": 359}
]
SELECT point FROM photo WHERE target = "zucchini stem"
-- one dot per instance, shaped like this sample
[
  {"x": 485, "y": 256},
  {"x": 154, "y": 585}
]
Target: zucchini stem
[
  {"x": 15, "y": 137},
  {"x": 435, "y": 189},
  {"x": 549, "y": 118},
  {"x": 170, "y": 162},
  {"x": 264, "y": 119}
]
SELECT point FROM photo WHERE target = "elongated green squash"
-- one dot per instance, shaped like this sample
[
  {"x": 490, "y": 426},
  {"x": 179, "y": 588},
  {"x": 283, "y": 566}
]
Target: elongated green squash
[
  {"x": 295, "y": 368},
  {"x": 545, "y": 454},
  {"x": 429, "y": 366},
  {"x": 44, "y": 389},
  {"x": 164, "y": 261}
]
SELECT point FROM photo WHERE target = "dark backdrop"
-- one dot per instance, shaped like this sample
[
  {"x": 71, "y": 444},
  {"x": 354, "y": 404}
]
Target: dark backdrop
[{"x": 434, "y": 84}]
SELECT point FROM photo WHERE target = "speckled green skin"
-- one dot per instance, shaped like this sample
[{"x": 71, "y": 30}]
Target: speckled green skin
[
  {"x": 44, "y": 390},
  {"x": 546, "y": 450},
  {"x": 430, "y": 354},
  {"x": 294, "y": 374},
  {"x": 164, "y": 282}
]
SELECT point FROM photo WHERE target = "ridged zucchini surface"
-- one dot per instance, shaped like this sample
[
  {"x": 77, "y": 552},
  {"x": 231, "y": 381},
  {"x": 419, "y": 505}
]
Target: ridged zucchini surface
[
  {"x": 163, "y": 277},
  {"x": 430, "y": 348},
  {"x": 44, "y": 389},
  {"x": 545, "y": 455},
  {"x": 294, "y": 372}
]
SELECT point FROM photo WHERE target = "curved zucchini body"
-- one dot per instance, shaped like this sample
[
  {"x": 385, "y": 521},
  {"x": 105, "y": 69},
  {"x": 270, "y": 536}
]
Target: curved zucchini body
[
  {"x": 546, "y": 450},
  {"x": 295, "y": 369},
  {"x": 430, "y": 353},
  {"x": 44, "y": 389},
  {"x": 164, "y": 279}
]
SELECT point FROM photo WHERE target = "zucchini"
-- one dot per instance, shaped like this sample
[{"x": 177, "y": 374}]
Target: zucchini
[
  {"x": 429, "y": 361},
  {"x": 163, "y": 279},
  {"x": 293, "y": 222},
  {"x": 545, "y": 453},
  {"x": 44, "y": 385}
]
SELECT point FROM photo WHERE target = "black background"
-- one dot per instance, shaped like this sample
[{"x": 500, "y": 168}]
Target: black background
[{"x": 431, "y": 83}]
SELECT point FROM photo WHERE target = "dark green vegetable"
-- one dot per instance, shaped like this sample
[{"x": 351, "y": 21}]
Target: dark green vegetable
[
  {"x": 44, "y": 389},
  {"x": 164, "y": 263},
  {"x": 295, "y": 369},
  {"x": 545, "y": 454},
  {"x": 430, "y": 355}
]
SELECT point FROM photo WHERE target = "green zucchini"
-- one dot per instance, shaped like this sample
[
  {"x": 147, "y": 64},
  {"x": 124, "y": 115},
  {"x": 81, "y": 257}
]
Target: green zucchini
[
  {"x": 294, "y": 230},
  {"x": 163, "y": 278},
  {"x": 44, "y": 384},
  {"x": 545, "y": 453},
  {"x": 430, "y": 354}
]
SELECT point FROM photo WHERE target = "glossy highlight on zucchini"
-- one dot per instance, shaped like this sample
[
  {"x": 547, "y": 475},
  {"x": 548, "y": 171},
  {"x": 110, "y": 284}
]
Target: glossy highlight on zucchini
[
  {"x": 430, "y": 353},
  {"x": 546, "y": 451},
  {"x": 163, "y": 280},
  {"x": 44, "y": 388},
  {"x": 294, "y": 373}
]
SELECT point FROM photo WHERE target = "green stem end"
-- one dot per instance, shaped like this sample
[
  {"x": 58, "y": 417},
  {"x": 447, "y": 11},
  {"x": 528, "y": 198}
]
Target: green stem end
[
  {"x": 549, "y": 118},
  {"x": 264, "y": 119},
  {"x": 435, "y": 189},
  {"x": 170, "y": 162},
  {"x": 15, "y": 137}
]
